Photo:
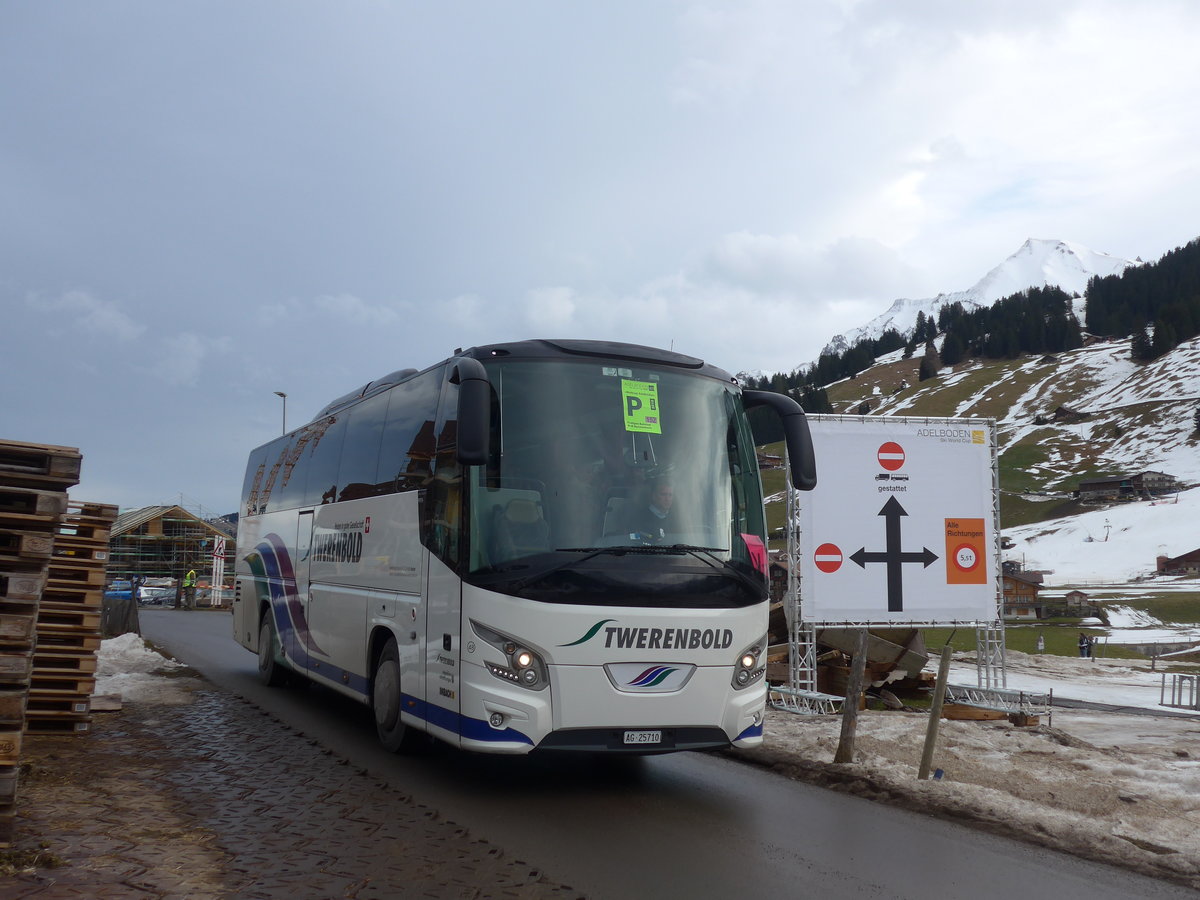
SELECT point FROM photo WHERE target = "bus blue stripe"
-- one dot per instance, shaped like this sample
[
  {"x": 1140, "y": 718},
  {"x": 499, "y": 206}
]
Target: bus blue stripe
[
  {"x": 752, "y": 732},
  {"x": 465, "y": 726}
]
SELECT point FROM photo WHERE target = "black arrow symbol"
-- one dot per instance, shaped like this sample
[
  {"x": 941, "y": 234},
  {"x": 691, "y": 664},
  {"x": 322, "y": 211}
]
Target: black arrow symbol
[{"x": 893, "y": 556}]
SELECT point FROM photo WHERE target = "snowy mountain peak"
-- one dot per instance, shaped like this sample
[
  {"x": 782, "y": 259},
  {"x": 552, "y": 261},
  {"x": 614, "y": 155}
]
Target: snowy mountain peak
[
  {"x": 1040, "y": 263},
  {"x": 1037, "y": 263}
]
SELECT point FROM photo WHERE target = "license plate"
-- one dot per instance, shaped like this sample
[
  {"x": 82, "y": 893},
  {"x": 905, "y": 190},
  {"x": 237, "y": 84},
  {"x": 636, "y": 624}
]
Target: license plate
[{"x": 643, "y": 737}]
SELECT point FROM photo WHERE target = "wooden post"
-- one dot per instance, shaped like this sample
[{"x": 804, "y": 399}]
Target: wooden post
[
  {"x": 935, "y": 713},
  {"x": 854, "y": 689}
]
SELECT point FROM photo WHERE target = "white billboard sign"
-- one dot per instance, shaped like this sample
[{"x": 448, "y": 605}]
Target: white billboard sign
[{"x": 901, "y": 527}]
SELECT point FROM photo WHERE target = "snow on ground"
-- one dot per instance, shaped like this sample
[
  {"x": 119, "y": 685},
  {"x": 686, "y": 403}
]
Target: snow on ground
[
  {"x": 1110, "y": 545},
  {"x": 126, "y": 667},
  {"x": 1120, "y": 788},
  {"x": 1111, "y": 786}
]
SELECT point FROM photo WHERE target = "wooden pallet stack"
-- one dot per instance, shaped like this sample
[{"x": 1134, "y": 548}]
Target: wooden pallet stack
[
  {"x": 33, "y": 500},
  {"x": 68, "y": 623}
]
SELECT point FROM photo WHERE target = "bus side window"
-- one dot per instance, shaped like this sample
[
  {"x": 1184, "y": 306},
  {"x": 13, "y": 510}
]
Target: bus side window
[
  {"x": 442, "y": 515},
  {"x": 324, "y": 458},
  {"x": 407, "y": 449},
  {"x": 288, "y": 471},
  {"x": 256, "y": 478},
  {"x": 360, "y": 450}
]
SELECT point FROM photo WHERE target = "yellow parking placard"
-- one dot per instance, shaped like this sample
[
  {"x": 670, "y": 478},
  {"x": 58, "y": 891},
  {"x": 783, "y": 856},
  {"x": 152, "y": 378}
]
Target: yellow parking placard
[{"x": 641, "y": 406}]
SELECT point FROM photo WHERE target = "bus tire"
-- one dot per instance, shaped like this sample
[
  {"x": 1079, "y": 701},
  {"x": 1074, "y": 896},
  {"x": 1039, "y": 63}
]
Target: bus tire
[
  {"x": 270, "y": 671},
  {"x": 395, "y": 736}
]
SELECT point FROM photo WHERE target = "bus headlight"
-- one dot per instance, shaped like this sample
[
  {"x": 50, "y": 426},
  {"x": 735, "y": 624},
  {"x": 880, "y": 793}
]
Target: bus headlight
[
  {"x": 521, "y": 665},
  {"x": 751, "y": 664}
]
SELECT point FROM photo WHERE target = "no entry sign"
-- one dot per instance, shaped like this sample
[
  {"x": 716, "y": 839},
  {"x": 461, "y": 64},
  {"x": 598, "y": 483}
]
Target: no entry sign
[
  {"x": 828, "y": 558},
  {"x": 891, "y": 456}
]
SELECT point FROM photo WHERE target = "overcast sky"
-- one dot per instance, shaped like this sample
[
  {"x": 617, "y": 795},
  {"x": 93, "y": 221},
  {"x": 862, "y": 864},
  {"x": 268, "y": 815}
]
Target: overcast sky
[{"x": 207, "y": 202}]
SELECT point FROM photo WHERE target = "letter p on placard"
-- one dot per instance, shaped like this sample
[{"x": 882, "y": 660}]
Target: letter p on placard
[{"x": 966, "y": 551}]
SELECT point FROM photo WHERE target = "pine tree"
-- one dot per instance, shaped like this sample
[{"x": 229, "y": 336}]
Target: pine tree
[
  {"x": 953, "y": 350},
  {"x": 1139, "y": 347},
  {"x": 929, "y": 364}
]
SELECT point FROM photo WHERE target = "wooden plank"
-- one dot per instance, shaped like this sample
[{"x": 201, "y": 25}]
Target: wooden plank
[
  {"x": 53, "y": 641},
  {"x": 53, "y": 616},
  {"x": 26, "y": 545},
  {"x": 880, "y": 650},
  {"x": 78, "y": 529},
  {"x": 72, "y": 596},
  {"x": 39, "y": 463},
  {"x": 12, "y": 706},
  {"x": 74, "y": 573},
  {"x": 30, "y": 503},
  {"x": 963, "y": 712},
  {"x": 22, "y": 585},
  {"x": 17, "y": 629},
  {"x": 10, "y": 747},
  {"x": 16, "y": 667},
  {"x": 95, "y": 553},
  {"x": 58, "y": 707},
  {"x": 50, "y": 684},
  {"x": 64, "y": 662},
  {"x": 57, "y": 726},
  {"x": 97, "y": 512}
]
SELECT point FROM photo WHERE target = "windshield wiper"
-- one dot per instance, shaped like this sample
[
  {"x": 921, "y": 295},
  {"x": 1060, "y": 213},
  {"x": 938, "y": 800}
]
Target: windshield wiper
[
  {"x": 591, "y": 553},
  {"x": 717, "y": 563}
]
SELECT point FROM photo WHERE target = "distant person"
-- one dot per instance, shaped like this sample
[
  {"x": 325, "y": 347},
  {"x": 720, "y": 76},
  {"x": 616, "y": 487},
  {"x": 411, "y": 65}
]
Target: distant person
[
  {"x": 189, "y": 589},
  {"x": 1085, "y": 646},
  {"x": 656, "y": 519}
]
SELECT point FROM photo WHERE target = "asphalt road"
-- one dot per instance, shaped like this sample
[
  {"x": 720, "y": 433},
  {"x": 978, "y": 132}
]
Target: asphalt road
[{"x": 682, "y": 825}]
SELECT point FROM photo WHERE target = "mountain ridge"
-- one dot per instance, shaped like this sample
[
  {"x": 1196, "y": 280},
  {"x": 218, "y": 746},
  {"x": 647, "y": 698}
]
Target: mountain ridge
[{"x": 1036, "y": 263}]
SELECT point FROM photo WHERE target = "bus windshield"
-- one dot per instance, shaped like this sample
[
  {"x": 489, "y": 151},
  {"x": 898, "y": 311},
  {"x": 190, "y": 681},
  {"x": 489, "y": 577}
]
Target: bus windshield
[{"x": 618, "y": 460}]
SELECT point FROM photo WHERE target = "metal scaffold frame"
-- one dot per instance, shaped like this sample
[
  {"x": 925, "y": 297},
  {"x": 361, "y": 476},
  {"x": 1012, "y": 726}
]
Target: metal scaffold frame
[{"x": 801, "y": 694}]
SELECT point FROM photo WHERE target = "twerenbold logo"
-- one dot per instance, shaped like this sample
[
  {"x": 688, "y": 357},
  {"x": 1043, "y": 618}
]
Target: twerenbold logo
[
  {"x": 591, "y": 633},
  {"x": 652, "y": 677},
  {"x": 647, "y": 638}
]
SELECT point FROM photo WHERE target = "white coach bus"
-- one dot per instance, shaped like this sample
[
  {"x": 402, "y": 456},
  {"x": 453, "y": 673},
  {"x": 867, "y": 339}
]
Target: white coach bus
[{"x": 471, "y": 551}]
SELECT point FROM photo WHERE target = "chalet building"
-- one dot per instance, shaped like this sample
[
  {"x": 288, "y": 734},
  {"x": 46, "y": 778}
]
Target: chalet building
[
  {"x": 1188, "y": 564},
  {"x": 1021, "y": 596},
  {"x": 1076, "y": 599},
  {"x": 1126, "y": 487},
  {"x": 165, "y": 542}
]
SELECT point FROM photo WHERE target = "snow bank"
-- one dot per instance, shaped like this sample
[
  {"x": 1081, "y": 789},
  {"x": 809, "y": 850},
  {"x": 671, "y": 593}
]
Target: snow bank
[{"x": 126, "y": 667}]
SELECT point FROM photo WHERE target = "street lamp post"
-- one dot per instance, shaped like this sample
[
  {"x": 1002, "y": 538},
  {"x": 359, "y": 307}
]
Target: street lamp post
[{"x": 283, "y": 397}]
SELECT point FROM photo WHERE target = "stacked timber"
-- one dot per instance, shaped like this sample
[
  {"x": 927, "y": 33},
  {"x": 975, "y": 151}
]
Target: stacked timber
[
  {"x": 68, "y": 623},
  {"x": 33, "y": 483}
]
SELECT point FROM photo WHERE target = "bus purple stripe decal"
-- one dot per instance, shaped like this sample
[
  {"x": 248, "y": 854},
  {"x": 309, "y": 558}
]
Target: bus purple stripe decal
[{"x": 294, "y": 607}]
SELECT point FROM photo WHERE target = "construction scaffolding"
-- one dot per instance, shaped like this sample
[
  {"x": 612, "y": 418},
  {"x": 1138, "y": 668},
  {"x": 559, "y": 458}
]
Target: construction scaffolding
[{"x": 161, "y": 544}]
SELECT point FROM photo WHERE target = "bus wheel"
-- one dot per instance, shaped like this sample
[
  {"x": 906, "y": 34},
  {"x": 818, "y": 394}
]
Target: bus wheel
[
  {"x": 270, "y": 672},
  {"x": 385, "y": 700}
]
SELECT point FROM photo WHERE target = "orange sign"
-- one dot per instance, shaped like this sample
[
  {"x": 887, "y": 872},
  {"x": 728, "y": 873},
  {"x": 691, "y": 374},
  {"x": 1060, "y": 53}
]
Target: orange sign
[{"x": 966, "y": 551}]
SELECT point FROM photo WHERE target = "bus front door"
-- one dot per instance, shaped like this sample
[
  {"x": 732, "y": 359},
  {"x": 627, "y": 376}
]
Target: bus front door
[{"x": 442, "y": 653}]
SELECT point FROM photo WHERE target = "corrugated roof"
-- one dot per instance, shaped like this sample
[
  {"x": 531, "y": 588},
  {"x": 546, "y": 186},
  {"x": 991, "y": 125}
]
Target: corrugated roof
[{"x": 133, "y": 519}]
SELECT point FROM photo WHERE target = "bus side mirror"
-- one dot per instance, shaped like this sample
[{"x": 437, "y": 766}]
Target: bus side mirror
[
  {"x": 796, "y": 435},
  {"x": 474, "y": 410}
]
